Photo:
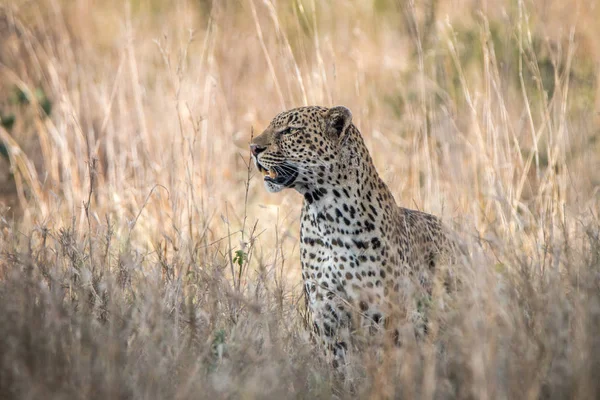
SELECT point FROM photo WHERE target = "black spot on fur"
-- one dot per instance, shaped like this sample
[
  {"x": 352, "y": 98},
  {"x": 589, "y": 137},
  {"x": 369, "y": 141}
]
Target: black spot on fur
[
  {"x": 360, "y": 244},
  {"x": 327, "y": 329},
  {"x": 375, "y": 243},
  {"x": 363, "y": 306},
  {"x": 377, "y": 318}
]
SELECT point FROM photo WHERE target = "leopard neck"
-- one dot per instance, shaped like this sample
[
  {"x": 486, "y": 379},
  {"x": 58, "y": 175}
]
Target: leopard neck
[{"x": 353, "y": 192}]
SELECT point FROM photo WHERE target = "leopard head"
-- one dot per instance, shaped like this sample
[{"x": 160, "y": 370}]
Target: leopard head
[{"x": 301, "y": 147}]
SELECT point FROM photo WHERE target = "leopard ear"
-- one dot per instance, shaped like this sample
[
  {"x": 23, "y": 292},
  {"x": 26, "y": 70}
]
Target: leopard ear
[{"x": 338, "y": 120}]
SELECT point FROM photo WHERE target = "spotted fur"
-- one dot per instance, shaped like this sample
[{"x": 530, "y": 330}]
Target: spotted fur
[{"x": 364, "y": 259}]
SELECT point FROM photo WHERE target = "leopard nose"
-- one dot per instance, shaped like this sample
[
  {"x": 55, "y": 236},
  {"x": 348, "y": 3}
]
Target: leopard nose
[{"x": 256, "y": 149}]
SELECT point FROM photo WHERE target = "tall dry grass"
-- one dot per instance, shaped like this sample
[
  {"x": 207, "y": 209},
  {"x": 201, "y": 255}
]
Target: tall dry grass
[{"x": 141, "y": 258}]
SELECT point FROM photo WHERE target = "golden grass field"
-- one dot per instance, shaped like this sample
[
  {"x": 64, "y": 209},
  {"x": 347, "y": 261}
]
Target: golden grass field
[{"x": 141, "y": 257}]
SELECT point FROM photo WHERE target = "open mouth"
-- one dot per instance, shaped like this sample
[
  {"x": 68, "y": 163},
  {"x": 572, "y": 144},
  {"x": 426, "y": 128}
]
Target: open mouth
[{"x": 284, "y": 174}]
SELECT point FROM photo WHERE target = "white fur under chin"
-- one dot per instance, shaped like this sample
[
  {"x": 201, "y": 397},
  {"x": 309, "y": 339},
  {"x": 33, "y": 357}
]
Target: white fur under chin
[{"x": 273, "y": 187}]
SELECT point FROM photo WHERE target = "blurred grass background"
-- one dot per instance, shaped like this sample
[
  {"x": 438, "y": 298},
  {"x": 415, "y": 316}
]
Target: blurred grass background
[{"x": 141, "y": 258}]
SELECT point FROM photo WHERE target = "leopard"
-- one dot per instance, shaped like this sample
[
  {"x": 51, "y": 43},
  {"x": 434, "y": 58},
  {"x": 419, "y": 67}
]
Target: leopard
[{"x": 366, "y": 262}]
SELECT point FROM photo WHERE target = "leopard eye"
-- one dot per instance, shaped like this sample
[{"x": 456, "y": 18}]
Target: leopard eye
[{"x": 290, "y": 129}]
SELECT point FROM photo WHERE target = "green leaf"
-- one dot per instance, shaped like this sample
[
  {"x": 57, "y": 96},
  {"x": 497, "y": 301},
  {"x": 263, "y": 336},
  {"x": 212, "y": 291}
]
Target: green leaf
[{"x": 239, "y": 257}]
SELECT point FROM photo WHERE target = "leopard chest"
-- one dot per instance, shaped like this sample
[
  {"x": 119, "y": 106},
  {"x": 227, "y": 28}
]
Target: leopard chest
[{"x": 342, "y": 260}]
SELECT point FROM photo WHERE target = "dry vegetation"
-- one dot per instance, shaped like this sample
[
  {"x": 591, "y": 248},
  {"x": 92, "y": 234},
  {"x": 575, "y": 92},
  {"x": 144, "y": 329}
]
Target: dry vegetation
[{"x": 141, "y": 258}]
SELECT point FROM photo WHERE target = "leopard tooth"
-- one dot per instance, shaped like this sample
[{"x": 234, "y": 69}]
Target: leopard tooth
[{"x": 272, "y": 173}]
